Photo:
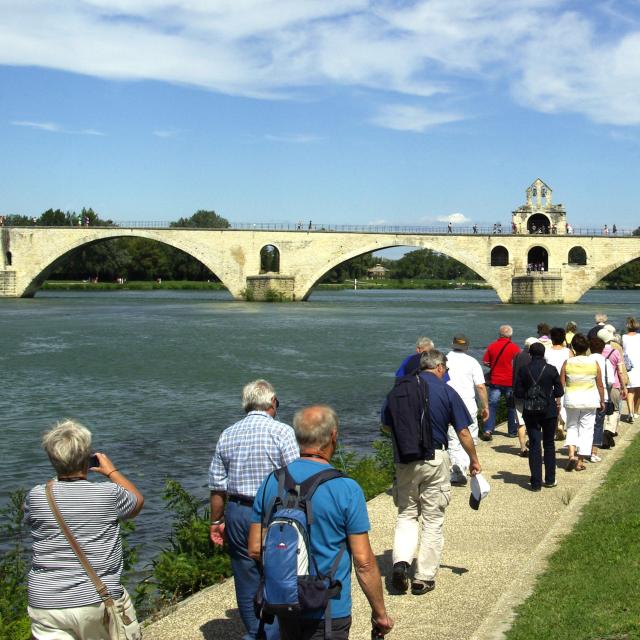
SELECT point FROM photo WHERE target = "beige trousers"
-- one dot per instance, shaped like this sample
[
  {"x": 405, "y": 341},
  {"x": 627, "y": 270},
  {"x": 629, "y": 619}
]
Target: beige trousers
[
  {"x": 80, "y": 623},
  {"x": 424, "y": 492}
]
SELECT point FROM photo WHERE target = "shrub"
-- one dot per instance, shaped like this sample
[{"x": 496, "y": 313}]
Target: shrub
[{"x": 14, "y": 623}]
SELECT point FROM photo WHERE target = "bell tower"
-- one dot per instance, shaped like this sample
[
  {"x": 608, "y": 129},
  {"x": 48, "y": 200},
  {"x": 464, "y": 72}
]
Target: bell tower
[{"x": 539, "y": 215}]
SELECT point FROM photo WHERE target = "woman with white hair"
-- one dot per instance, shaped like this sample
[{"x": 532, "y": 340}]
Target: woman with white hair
[{"x": 64, "y": 603}]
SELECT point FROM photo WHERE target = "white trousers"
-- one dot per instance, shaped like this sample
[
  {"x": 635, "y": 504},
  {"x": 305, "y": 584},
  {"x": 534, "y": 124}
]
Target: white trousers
[
  {"x": 424, "y": 492},
  {"x": 611, "y": 422},
  {"x": 580, "y": 423},
  {"x": 456, "y": 453}
]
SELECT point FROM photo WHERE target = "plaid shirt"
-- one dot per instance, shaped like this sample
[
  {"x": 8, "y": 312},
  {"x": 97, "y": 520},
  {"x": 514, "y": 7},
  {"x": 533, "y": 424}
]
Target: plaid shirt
[{"x": 248, "y": 451}]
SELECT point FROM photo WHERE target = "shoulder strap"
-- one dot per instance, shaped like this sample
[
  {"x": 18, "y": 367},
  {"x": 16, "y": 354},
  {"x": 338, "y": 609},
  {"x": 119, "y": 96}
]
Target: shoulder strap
[
  {"x": 495, "y": 362},
  {"x": 100, "y": 586},
  {"x": 309, "y": 486}
]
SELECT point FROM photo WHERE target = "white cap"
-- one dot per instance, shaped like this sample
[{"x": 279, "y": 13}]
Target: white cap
[{"x": 479, "y": 490}]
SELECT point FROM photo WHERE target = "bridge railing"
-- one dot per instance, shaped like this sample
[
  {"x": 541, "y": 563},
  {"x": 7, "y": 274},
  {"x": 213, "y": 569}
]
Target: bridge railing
[{"x": 363, "y": 228}]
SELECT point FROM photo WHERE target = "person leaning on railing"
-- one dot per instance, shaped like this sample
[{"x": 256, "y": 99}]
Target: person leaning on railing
[{"x": 63, "y": 601}]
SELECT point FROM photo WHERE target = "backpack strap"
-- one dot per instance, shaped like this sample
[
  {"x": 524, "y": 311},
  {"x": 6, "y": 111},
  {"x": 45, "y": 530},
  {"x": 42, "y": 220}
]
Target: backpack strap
[
  {"x": 537, "y": 380},
  {"x": 309, "y": 486}
]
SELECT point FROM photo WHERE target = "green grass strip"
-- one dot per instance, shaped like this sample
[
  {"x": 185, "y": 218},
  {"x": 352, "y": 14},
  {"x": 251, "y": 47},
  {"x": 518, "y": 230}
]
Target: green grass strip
[{"x": 591, "y": 588}]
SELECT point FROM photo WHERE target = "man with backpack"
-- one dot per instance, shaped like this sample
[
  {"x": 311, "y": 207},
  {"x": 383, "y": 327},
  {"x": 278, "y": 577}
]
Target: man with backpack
[
  {"x": 313, "y": 520},
  {"x": 418, "y": 411},
  {"x": 538, "y": 385}
]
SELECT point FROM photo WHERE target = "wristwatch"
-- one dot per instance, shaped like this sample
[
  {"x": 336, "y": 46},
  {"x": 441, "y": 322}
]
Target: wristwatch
[{"x": 217, "y": 522}]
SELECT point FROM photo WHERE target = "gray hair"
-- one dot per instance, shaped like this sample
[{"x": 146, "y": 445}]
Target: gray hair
[
  {"x": 257, "y": 395},
  {"x": 424, "y": 344},
  {"x": 314, "y": 425},
  {"x": 600, "y": 317},
  {"x": 505, "y": 331},
  {"x": 431, "y": 359},
  {"x": 68, "y": 445},
  {"x": 571, "y": 326}
]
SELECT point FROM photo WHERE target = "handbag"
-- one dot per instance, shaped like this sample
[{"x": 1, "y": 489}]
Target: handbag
[
  {"x": 119, "y": 615},
  {"x": 627, "y": 362}
]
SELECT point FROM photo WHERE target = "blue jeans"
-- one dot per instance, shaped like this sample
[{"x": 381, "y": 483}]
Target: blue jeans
[
  {"x": 541, "y": 431},
  {"x": 245, "y": 570},
  {"x": 495, "y": 391},
  {"x": 598, "y": 428}
]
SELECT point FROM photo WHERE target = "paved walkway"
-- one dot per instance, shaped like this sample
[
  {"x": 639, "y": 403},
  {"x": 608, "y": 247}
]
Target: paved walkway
[{"x": 490, "y": 561}]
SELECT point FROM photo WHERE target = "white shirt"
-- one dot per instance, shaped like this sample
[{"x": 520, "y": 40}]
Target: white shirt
[
  {"x": 602, "y": 361},
  {"x": 465, "y": 373},
  {"x": 557, "y": 357}
]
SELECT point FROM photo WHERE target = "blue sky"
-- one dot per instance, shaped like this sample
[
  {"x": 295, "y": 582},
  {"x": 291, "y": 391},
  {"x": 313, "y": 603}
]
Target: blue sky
[{"x": 336, "y": 111}]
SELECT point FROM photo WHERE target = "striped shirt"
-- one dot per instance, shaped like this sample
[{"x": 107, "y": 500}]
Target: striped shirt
[
  {"x": 580, "y": 390},
  {"x": 248, "y": 451},
  {"x": 57, "y": 579}
]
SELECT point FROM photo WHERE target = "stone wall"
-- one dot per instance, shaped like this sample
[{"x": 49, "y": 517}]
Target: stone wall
[
  {"x": 270, "y": 286},
  {"x": 536, "y": 288}
]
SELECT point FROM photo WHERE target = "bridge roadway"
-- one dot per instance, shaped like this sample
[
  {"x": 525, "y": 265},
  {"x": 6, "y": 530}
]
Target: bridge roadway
[{"x": 29, "y": 254}]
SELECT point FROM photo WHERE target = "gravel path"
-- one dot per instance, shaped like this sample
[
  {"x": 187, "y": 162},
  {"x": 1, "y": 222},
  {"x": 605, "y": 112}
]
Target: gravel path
[{"x": 489, "y": 564}]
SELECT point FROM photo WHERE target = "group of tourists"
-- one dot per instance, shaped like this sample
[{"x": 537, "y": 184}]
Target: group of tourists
[{"x": 293, "y": 524}]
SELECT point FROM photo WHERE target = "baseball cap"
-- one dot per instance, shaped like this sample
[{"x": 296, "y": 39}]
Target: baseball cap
[{"x": 479, "y": 490}]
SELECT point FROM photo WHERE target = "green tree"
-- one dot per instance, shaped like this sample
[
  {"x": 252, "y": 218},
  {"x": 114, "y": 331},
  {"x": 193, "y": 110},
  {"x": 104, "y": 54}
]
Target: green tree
[{"x": 203, "y": 219}]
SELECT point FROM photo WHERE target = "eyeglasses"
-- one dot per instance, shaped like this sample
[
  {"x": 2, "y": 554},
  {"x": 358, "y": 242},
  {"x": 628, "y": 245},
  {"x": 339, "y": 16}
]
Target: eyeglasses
[{"x": 277, "y": 403}]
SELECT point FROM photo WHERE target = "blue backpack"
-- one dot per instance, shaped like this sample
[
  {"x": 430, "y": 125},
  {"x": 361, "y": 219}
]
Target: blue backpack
[{"x": 291, "y": 583}]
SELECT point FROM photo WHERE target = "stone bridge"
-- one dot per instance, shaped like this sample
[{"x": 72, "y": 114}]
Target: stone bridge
[{"x": 566, "y": 266}]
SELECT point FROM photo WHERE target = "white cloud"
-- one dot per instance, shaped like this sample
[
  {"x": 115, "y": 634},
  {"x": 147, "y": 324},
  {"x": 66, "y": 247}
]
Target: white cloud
[
  {"x": 554, "y": 55},
  {"x": 53, "y": 127},
  {"x": 408, "y": 118},
  {"x": 293, "y": 138},
  {"x": 454, "y": 218},
  {"x": 378, "y": 223},
  {"x": 165, "y": 133}
]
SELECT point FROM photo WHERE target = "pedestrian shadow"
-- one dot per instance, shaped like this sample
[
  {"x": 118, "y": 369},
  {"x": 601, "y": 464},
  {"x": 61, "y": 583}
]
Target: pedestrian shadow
[
  {"x": 228, "y": 628},
  {"x": 385, "y": 563},
  {"x": 512, "y": 478},
  {"x": 508, "y": 448}
]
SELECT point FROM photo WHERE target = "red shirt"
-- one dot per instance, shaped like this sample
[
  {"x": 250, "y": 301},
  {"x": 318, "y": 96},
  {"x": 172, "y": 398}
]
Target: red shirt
[{"x": 502, "y": 370}]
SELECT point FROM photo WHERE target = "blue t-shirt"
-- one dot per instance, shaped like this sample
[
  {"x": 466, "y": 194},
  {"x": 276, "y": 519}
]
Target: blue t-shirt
[
  {"x": 446, "y": 407},
  {"x": 339, "y": 510}
]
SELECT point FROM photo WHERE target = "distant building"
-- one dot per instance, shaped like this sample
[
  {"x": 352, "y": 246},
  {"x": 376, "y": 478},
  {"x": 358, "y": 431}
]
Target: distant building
[{"x": 377, "y": 272}]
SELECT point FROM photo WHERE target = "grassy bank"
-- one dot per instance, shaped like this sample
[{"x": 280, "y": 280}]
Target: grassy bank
[
  {"x": 134, "y": 285},
  {"x": 590, "y": 589}
]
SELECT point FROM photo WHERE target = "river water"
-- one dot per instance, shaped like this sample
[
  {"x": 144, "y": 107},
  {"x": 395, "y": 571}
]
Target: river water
[{"x": 157, "y": 375}]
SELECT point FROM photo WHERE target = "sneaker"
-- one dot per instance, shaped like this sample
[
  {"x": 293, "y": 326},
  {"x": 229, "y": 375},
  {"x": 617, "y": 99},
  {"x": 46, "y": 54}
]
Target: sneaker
[
  {"x": 400, "y": 576},
  {"x": 536, "y": 488},
  {"x": 628, "y": 419},
  {"x": 458, "y": 475},
  {"x": 550, "y": 485},
  {"x": 595, "y": 458},
  {"x": 418, "y": 587},
  {"x": 486, "y": 436}
]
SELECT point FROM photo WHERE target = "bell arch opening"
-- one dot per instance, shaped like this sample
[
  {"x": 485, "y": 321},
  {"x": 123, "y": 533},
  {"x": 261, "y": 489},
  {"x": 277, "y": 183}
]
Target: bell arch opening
[
  {"x": 577, "y": 256},
  {"x": 499, "y": 257},
  {"x": 269, "y": 259},
  {"x": 537, "y": 259},
  {"x": 539, "y": 223}
]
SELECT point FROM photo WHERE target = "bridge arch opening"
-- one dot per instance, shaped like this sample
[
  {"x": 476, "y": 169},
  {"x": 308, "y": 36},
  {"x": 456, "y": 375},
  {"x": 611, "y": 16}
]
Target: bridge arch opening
[
  {"x": 499, "y": 257},
  {"x": 538, "y": 259},
  {"x": 9, "y": 258},
  {"x": 269, "y": 259},
  {"x": 577, "y": 256},
  {"x": 120, "y": 260},
  {"x": 539, "y": 223}
]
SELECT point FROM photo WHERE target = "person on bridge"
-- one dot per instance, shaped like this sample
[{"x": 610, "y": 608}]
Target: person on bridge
[
  {"x": 411, "y": 364},
  {"x": 423, "y": 486},
  {"x": 246, "y": 453},
  {"x": 499, "y": 358},
  {"x": 467, "y": 378}
]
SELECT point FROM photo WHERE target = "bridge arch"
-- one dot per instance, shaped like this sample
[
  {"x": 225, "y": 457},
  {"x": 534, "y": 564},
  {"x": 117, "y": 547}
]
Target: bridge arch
[
  {"x": 60, "y": 251},
  {"x": 577, "y": 256},
  {"x": 270, "y": 259},
  {"x": 499, "y": 256},
  {"x": 481, "y": 266},
  {"x": 538, "y": 258}
]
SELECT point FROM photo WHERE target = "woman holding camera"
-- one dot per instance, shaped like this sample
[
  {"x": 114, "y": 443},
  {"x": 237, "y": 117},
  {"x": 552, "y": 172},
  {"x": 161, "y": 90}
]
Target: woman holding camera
[{"x": 63, "y": 599}]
